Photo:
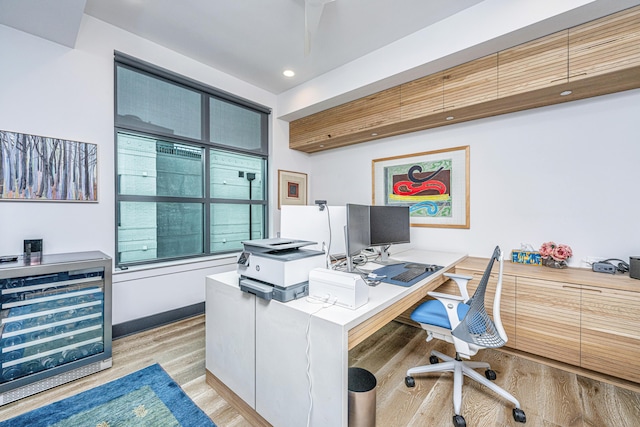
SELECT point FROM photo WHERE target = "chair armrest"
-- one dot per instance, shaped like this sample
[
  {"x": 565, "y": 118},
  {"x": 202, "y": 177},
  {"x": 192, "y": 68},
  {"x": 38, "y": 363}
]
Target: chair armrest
[
  {"x": 461, "y": 280},
  {"x": 441, "y": 296},
  {"x": 458, "y": 276}
]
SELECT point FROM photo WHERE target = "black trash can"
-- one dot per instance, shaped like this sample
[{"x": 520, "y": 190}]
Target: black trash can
[{"x": 362, "y": 398}]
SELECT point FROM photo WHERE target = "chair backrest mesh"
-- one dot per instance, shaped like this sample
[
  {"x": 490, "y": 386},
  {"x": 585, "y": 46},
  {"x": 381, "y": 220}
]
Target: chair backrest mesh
[{"x": 477, "y": 327}]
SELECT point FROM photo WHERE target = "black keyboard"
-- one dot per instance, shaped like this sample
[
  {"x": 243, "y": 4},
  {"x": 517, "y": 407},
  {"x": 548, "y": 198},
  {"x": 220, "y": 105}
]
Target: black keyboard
[
  {"x": 412, "y": 271},
  {"x": 409, "y": 274}
]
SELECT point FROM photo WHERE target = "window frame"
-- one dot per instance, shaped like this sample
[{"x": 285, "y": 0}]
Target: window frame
[{"x": 204, "y": 143}]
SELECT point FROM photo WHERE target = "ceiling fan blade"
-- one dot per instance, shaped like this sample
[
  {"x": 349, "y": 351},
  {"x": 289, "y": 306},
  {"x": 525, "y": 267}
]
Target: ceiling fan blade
[{"x": 312, "y": 14}]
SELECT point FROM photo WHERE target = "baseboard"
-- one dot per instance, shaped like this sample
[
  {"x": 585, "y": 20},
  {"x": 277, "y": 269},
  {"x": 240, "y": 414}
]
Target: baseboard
[{"x": 145, "y": 323}]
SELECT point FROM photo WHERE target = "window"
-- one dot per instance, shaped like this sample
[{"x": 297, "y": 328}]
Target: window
[{"x": 191, "y": 167}]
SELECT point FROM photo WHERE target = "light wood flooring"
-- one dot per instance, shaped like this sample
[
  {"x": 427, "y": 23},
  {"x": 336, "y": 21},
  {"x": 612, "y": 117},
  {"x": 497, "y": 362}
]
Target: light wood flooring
[{"x": 550, "y": 397}]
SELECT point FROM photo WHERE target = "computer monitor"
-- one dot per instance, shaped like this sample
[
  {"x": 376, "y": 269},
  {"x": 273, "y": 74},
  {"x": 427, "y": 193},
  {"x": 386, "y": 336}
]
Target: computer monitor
[
  {"x": 356, "y": 232},
  {"x": 388, "y": 225}
]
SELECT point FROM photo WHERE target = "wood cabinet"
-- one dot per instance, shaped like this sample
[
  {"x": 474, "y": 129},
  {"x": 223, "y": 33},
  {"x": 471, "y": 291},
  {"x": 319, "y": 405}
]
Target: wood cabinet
[
  {"x": 422, "y": 97},
  {"x": 534, "y": 65},
  {"x": 328, "y": 128},
  {"x": 471, "y": 83},
  {"x": 611, "y": 332},
  {"x": 589, "y": 322},
  {"x": 596, "y": 58},
  {"x": 548, "y": 319},
  {"x": 605, "y": 45}
]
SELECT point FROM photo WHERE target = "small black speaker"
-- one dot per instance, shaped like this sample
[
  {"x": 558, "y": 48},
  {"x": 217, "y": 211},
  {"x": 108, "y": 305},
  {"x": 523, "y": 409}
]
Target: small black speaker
[{"x": 634, "y": 267}]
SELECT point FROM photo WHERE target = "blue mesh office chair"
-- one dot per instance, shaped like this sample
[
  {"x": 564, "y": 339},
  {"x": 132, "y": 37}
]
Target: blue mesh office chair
[{"x": 464, "y": 322}]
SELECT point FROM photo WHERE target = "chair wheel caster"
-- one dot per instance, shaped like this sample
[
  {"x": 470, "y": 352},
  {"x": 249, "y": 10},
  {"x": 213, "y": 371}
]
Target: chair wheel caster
[
  {"x": 458, "y": 421},
  {"x": 433, "y": 360},
  {"x": 519, "y": 416},
  {"x": 410, "y": 382},
  {"x": 490, "y": 374}
]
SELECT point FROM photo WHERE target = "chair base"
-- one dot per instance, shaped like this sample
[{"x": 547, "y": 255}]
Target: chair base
[{"x": 460, "y": 369}]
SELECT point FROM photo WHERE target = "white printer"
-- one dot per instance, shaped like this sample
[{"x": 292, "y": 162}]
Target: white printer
[{"x": 277, "y": 268}]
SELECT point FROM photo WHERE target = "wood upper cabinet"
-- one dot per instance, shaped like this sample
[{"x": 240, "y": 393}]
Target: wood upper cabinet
[
  {"x": 596, "y": 58},
  {"x": 534, "y": 65},
  {"x": 421, "y": 97},
  {"x": 548, "y": 319},
  {"x": 605, "y": 45},
  {"x": 365, "y": 113},
  {"x": 471, "y": 83},
  {"x": 611, "y": 332}
]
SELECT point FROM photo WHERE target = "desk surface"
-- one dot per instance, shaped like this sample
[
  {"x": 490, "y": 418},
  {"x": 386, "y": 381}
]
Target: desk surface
[{"x": 381, "y": 297}]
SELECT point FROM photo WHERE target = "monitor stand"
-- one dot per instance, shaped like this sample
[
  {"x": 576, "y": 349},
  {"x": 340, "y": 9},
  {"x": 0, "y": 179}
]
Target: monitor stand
[{"x": 385, "y": 258}]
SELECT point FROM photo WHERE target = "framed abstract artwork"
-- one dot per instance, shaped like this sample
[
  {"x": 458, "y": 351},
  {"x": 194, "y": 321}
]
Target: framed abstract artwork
[
  {"x": 292, "y": 188},
  {"x": 434, "y": 184},
  {"x": 39, "y": 168}
]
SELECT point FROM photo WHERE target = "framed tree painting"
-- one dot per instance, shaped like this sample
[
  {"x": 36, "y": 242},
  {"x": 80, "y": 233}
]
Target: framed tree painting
[
  {"x": 39, "y": 168},
  {"x": 434, "y": 184},
  {"x": 292, "y": 188}
]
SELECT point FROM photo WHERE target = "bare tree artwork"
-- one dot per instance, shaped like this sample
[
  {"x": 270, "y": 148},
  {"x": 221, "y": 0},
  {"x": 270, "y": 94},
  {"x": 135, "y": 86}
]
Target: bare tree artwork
[{"x": 41, "y": 168}]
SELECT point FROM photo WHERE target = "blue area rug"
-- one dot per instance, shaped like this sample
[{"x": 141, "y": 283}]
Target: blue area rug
[{"x": 148, "y": 397}]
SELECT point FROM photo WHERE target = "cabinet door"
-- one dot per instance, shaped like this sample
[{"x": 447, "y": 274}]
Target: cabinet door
[
  {"x": 421, "y": 97},
  {"x": 298, "y": 353},
  {"x": 231, "y": 337},
  {"x": 366, "y": 113},
  {"x": 605, "y": 45},
  {"x": 611, "y": 332},
  {"x": 507, "y": 301},
  {"x": 534, "y": 65},
  {"x": 548, "y": 319},
  {"x": 471, "y": 83}
]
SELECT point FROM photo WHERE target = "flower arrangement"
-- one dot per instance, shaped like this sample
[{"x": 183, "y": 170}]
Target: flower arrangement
[{"x": 556, "y": 252}]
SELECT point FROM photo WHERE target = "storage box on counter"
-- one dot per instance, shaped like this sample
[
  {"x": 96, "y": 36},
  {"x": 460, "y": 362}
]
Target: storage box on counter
[{"x": 526, "y": 257}]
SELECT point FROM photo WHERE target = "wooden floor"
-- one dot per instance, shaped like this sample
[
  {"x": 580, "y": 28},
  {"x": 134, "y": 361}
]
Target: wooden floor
[{"x": 550, "y": 397}]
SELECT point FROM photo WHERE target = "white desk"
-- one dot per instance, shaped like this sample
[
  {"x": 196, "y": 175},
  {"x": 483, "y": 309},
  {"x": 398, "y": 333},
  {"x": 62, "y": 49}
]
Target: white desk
[{"x": 257, "y": 349}]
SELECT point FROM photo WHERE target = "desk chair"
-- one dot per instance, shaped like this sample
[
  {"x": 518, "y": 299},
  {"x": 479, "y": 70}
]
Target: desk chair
[{"x": 464, "y": 322}]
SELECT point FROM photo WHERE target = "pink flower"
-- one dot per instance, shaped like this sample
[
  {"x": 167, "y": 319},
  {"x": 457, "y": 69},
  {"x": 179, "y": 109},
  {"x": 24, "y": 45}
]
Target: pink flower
[
  {"x": 559, "y": 252},
  {"x": 546, "y": 250}
]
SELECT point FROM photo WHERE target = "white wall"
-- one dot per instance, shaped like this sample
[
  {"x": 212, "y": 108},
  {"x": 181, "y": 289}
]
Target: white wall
[
  {"x": 50, "y": 90},
  {"x": 565, "y": 173}
]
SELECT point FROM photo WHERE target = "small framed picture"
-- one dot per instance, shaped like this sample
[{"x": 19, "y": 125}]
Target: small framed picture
[{"x": 292, "y": 188}]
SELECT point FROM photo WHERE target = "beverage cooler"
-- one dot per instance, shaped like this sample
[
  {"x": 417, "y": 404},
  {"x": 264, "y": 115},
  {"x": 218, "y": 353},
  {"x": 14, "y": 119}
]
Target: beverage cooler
[{"x": 55, "y": 321}]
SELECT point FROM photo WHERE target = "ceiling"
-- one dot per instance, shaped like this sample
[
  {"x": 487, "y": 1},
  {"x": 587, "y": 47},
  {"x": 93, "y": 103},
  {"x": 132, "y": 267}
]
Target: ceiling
[{"x": 254, "y": 40}]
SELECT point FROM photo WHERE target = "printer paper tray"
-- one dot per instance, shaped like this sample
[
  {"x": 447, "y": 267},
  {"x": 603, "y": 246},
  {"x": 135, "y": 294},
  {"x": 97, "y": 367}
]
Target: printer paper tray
[{"x": 268, "y": 292}]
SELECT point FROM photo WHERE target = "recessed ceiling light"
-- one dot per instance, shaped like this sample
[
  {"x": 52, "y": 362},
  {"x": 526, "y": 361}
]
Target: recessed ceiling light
[
  {"x": 565, "y": 93},
  {"x": 449, "y": 118},
  {"x": 288, "y": 73},
  {"x": 374, "y": 134}
]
